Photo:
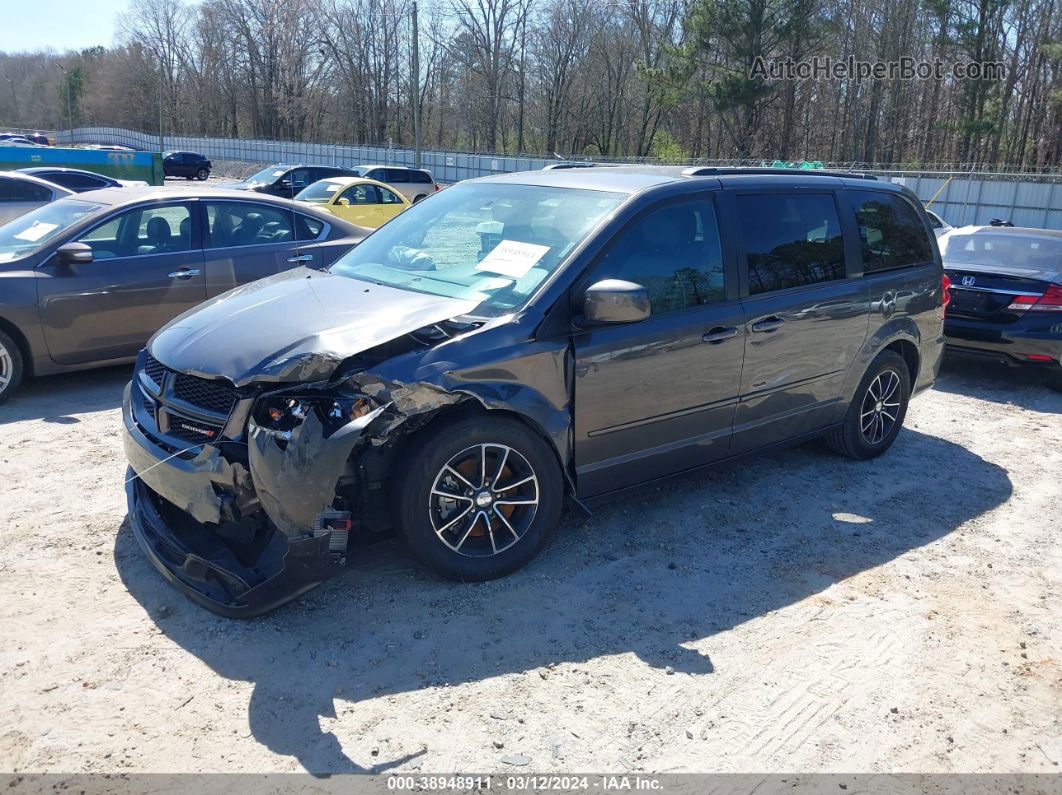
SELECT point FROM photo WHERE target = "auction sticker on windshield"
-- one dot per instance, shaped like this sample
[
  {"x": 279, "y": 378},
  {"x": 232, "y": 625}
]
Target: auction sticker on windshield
[
  {"x": 36, "y": 231},
  {"x": 512, "y": 258}
]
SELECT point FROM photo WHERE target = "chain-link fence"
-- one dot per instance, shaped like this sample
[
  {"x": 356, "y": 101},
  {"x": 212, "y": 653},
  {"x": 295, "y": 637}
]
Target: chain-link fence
[{"x": 959, "y": 195}]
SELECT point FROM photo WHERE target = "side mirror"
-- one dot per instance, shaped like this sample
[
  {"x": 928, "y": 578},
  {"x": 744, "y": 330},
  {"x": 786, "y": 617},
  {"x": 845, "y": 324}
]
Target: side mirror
[
  {"x": 615, "y": 301},
  {"x": 74, "y": 253},
  {"x": 344, "y": 201}
]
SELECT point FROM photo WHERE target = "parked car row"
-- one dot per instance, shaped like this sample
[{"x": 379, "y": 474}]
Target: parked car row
[
  {"x": 288, "y": 180},
  {"x": 362, "y": 201},
  {"x": 121, "y": 262}
]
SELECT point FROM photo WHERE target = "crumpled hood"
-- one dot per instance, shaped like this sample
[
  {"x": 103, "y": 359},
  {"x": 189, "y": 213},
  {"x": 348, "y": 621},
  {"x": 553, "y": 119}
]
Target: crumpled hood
[{"x": 296, "y": 326}]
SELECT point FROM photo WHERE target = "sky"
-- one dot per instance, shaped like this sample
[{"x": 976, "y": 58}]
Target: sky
[{"x": 57, "y": 24}]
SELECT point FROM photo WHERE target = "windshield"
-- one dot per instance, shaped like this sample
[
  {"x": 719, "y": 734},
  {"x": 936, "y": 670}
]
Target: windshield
[
  {"x": 321, "y": 191},
  {"x": 1004, "y": 250},
  {"x": 489, "y": 242},
  {"x": 29, "y": 232},
  {"x": 267, "y": 176}
]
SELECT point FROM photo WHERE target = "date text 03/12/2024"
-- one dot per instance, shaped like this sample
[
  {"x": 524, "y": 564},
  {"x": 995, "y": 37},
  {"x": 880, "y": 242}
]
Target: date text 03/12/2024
[{"x": 523, "y": 783}]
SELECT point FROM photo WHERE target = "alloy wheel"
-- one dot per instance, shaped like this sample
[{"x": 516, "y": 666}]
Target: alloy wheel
[
  {"x": 7, "y": 368},
  {"x": 483, "y": 500},
  {"x": 880, "y": 407}
]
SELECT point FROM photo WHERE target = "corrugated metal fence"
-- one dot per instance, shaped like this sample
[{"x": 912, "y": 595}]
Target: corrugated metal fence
[{"x": 965, "y": 197}]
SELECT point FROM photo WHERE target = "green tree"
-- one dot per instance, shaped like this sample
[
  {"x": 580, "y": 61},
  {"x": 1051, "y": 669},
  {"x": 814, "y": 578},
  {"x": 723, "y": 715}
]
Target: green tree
[{"x": 726, "y": 40}]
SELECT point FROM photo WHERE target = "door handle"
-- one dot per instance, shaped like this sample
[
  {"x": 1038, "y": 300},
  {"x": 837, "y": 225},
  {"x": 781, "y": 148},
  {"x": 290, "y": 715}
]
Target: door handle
[
  {"x": 185, "y": 273},
  {"x": 301, "y": 258},
  {"x": 719, "y": 333},
  {"x": 768, "y": 324},
  {"x": 888, "y": 302}
]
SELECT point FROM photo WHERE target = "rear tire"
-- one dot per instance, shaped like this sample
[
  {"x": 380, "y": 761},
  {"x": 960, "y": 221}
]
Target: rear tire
[
  {"x": 479, "y": 497},
  {"x": 419, "y": 197},
  {"x": 202, "y": 175},
  {"x": 11, "y": 367},
  {"x": 877, "y": 410}
]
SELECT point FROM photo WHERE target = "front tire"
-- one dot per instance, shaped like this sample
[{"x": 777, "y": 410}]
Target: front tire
[
  {"x": 11, "y": 367},
  {"x": 877, "y": 410},
  {"x": 479, "y": 498}
]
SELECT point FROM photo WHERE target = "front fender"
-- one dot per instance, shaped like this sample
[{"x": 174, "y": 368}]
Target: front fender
[{"x": 501, "y": 368}]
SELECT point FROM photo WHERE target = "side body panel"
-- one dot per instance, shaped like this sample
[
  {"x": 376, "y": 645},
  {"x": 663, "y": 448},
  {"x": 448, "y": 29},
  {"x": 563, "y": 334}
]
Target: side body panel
[
  {"x": 800, "y": 342},
  {"x": 653, "y": 398},
  {"x": 109, "y": 308}
]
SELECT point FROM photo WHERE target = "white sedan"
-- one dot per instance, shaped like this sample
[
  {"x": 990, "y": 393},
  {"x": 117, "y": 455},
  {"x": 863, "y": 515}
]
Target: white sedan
[{"x": 940, "y": 226}]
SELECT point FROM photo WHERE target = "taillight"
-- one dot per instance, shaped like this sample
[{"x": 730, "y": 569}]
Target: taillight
[
  {"x": 437, "y": 186},
  {"x": 1050, "y": 301},
  {"x": 945, "y": 289}
]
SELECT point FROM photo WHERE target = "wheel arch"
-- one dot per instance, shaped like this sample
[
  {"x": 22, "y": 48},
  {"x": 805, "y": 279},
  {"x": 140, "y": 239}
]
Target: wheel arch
[
  {"x": 901, "y": 336},
  {"x": 472, "y": 408},
  {"x": 383, "y": 463},
  {"x": 909, "y": 351},
  {"x": 21, "y": 341}
]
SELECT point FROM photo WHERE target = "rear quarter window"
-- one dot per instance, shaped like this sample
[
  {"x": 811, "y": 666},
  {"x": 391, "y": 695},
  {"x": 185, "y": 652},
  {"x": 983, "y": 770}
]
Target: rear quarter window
[{"x": 891, "y": 234}]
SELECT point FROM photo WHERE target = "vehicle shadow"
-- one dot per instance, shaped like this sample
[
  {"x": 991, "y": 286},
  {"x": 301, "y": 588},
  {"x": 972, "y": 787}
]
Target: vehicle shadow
[
  {"x": 995, "y": 382},
  {"x": 647, "y": 574},
  {"x": 50, "y": 398}
]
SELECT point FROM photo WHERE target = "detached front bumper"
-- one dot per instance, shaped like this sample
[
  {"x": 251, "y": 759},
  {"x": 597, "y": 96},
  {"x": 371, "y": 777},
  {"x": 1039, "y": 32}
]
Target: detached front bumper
[{"x": 177, "y": 510}]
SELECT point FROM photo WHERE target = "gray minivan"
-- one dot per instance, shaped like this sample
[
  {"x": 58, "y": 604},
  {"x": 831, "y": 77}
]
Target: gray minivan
[{"x": 518, "y": 340}]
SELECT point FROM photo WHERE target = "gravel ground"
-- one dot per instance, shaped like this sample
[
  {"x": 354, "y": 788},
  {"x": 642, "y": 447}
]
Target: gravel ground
[{"x": 796, "y": 612}]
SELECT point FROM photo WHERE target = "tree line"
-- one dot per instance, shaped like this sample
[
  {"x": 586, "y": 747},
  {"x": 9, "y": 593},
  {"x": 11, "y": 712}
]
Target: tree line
[{"x": 666, "y": 79}]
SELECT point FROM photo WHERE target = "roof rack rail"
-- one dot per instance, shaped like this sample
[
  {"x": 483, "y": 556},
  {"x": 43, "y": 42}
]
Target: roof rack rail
[{"x": 719, "y": 171}]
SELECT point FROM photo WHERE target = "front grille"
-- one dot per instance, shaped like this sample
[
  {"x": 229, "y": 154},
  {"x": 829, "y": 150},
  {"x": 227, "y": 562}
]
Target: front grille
[
  {"x": 149, "y": 406},
  {"x": 154, "y": 369},
  {"x": 214, "y": 396}
]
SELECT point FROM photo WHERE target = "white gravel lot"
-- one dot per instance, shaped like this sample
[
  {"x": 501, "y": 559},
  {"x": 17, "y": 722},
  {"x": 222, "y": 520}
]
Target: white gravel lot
[{"x": 797, "y": 612}]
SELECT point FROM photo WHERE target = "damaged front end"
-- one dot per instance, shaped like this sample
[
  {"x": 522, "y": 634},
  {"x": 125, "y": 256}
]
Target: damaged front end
[
  {"x": 261, "y": 452},
  {"x": 248, "y": 518},
  {"x": 247, "y": 497}
]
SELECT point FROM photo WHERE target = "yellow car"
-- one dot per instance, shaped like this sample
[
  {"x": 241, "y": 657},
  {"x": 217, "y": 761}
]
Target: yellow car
[{"x": 361, "y": 201}]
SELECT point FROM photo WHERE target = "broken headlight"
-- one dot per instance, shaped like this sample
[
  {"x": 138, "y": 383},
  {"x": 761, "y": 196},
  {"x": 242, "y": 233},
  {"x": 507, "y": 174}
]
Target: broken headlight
[{"x": 283, "y": 413}]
